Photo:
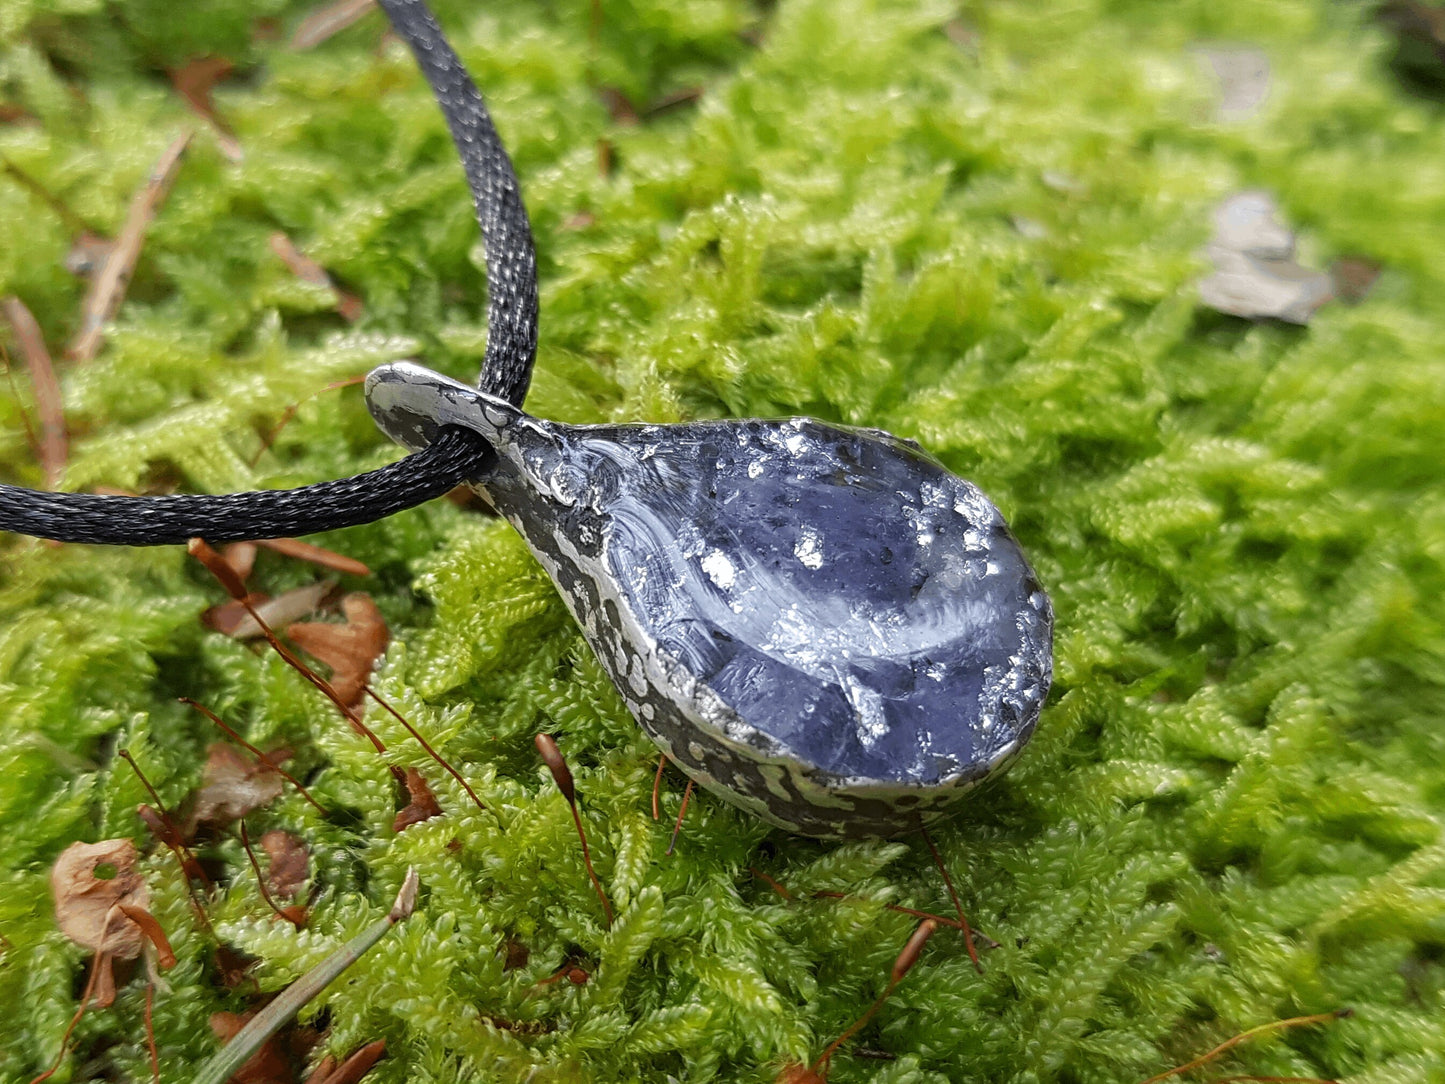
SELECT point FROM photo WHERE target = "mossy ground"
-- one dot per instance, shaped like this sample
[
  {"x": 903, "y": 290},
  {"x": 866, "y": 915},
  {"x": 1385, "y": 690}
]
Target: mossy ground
[{"x": 1232, "y": 811}]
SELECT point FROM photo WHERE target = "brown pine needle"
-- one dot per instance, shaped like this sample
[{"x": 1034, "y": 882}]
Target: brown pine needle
[
  {"x": 107, "y": 288},
  {"x": 217, "y": 566},
  {"x": 291, "y": 917},
  {"x": 681, "y": 812},
  {"x": 48, "y": 403},
  {"x": 657, "y": 786},
  {"x": 562, "y": 776},
  {"x": 901, "y": 966},
  {"x": 348, "y": 306},
  {"x": 953, "y": 895},
  {"x": 260, "y": 756},
  {"x": 99, "y": 964},
  {"x": 423, "y": 743},
  {"x": 1262, "y": 1029}
]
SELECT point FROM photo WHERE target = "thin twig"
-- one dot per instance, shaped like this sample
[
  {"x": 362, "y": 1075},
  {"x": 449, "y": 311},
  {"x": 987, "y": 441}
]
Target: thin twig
[{"x": 327, "y": 21}]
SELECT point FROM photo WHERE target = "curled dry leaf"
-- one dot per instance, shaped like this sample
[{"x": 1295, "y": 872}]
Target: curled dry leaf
[
  {"x": 232, "y": 785},
  {"x": 91, "y": 883},
  {"x": 423, "y": 804},
  {"x": 351, "y": 649},
  {"x": 286, "y": 870}
]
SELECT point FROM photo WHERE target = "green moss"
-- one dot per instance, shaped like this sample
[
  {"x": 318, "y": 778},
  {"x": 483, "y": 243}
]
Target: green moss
[{"x": 1232, "y": 811}]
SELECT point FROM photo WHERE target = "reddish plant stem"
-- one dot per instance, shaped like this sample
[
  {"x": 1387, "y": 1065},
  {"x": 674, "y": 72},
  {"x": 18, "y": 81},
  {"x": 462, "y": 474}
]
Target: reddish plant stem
[
  {"x": 260, "y": 880},
  {"x": 423, "y": 743},
  {"x": 1230, "y": 1043},
  {"x": 183, "y": 854},
  {"x": 217, "y": 566},
  {"x": 155, "y": 1053},
  {"x": 681, "y": 811},
  {"x": 95, "y": 969},
  {"x": 953, "y": 895}
]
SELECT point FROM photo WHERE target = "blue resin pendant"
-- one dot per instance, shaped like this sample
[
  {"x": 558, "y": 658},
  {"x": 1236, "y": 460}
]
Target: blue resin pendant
[{"x": 819, "y": 624}]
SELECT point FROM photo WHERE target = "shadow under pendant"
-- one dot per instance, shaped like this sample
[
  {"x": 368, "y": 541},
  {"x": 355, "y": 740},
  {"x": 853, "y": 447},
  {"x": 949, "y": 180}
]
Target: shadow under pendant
[{"x": 820, "y": 624}]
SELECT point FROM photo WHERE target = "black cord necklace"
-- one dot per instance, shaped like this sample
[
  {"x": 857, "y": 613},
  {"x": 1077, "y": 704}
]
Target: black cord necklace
[{"x": 822, "y": 625}]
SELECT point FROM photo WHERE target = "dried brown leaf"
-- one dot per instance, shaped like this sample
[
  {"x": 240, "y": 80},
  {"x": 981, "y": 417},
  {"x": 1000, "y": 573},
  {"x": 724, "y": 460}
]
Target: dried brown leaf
[
  {"x": 286, "y": 870},
  {"x": 233, "y": 785},
  {"x": 90, "y": 883},
  {"x": 277, "y": 612},
  {"x": 48, "y": 404},
  {"x": 107, "y": 289},
  {"x": 327, "y": 21},
  {"x": 305, "y": 551},
  {"x": 269, "y": 1065},
  {"x": 423, "y": 804},
  {"x": 358, "y": 1063},
  {"x": 351, "y": 649}
]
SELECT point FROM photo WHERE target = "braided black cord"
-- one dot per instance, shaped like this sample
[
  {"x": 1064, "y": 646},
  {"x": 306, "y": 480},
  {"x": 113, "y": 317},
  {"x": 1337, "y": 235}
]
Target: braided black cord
[
  {"x": 457, "y": 455},
  {"x": 506, "y": 233}
]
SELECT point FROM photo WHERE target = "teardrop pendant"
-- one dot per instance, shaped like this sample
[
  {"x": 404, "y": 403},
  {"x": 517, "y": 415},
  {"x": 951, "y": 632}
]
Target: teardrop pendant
[{"x": 820, "y": 624}]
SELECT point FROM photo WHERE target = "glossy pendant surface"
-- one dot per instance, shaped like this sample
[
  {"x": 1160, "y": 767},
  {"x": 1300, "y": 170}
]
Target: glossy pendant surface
[{"x": 820, "y": 624}]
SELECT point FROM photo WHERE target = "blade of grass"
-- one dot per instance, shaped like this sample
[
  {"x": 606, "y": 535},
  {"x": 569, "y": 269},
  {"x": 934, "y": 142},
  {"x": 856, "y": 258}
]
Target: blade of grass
[{"x": 274, "y": 1016}]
